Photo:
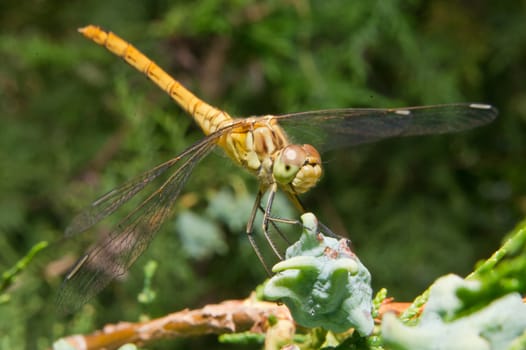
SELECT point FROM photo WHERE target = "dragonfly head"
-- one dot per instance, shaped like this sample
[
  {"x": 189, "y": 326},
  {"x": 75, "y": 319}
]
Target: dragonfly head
[{"x": 298, "y": 166}]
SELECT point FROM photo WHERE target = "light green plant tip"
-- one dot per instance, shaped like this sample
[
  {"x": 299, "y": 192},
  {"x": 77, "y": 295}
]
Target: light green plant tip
[
  {"x": 243, "y": 338},
  {"x": 147, "y": 295},
  {"x": 378, "y": 301},
  {"x": 9, "y": 276},
  {"x": 61, "y": 344},
  {"x": 323, "y": 283},
  {"x": 128, "y": 347}
]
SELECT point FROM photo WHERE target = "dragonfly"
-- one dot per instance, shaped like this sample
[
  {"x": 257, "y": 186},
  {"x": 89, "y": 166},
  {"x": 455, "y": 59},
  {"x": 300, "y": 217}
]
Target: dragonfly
[{"x": 263, "y": 145}]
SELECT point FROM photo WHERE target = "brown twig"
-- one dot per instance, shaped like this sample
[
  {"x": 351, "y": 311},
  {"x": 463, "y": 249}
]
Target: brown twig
[
  {"x": 230, "y": 316},
  {"x": 227, "y": 317}
]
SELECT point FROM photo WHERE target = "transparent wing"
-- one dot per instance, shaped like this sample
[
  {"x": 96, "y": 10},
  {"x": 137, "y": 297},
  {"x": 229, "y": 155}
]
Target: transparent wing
[
  {"x": 113, "y": 255},
  {"x": 329, "y": 129},
  {"x": 113, "y": 200}
]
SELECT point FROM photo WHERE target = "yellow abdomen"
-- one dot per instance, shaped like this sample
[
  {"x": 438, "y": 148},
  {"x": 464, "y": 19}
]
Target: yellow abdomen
[{"x": 207, "y": 117}]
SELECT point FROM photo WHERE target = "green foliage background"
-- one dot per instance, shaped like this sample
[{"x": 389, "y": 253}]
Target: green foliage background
[{"x": 77, "y": 121}]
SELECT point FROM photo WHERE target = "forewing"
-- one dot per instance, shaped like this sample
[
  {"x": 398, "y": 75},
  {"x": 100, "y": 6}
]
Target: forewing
[
  {"x": 113, "y": 255},
  {"x": 113, "y": 200},
  {"x": 329, "y": 129}
]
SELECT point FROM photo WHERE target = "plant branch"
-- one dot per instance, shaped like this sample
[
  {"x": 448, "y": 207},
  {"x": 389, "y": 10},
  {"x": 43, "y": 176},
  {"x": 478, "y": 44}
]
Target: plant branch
[
  {"x": 232, "y": 316},
  {"x": 227, "y": 317}
]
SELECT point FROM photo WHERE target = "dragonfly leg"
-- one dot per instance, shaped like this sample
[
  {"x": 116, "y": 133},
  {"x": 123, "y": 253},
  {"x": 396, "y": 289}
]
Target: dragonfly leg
[
  {"x": 273, "y": 220},
  {"x": 250, "y": 231},
  {"x": 321, "y": 226},
  {"x": 327, "y": 231},
  {"x": 296, "y": 202},
  {"x": 267, "y": 217}
]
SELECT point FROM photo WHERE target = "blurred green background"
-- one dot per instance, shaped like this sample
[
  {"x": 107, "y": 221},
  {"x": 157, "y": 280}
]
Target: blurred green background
[{"x": 77, "y": 121}]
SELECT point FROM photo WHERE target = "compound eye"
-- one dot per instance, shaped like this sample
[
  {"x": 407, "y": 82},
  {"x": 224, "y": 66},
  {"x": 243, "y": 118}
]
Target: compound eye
[{"x": 288, "y": 163}]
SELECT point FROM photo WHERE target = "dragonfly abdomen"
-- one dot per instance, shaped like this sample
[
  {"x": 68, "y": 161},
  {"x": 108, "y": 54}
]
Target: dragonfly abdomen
[{"x": 209, "y": 118}]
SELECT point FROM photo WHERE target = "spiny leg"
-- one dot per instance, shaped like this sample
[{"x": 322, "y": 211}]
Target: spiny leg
[
  {"x": 250, "y": 229},
  {"x": 321, "y": 226},
  {"x": 266, "y": 218},
  {"x": 273, "y": 220},
  {"x": 269, "y": 219}
]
